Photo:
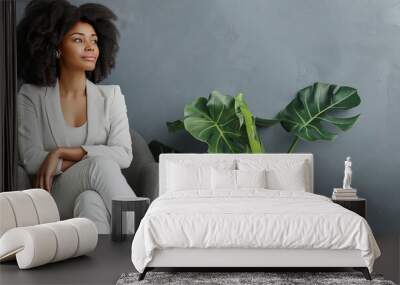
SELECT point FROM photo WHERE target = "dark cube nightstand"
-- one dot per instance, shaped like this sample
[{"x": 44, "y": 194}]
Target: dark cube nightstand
[
  {"x": 139, "y": 205},
  {"x": 358, "y": 206}
]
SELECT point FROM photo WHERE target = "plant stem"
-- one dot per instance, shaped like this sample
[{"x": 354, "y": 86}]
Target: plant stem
[{"x": 293, "y": 144}]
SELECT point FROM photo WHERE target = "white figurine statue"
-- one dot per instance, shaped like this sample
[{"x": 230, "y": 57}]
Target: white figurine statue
[{"x": 347, "y": 173}]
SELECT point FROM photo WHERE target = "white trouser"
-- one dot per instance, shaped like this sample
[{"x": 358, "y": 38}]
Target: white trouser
[{"x": 87, "y": 188}]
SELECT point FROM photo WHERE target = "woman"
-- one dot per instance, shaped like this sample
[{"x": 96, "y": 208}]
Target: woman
[{"x": 73, "y": 134}]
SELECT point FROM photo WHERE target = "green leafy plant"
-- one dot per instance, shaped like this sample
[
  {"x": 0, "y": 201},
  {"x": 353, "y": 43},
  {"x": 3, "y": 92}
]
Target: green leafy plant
[
  {"x": 312, "y": 106},
  {"x": 224, "y": 122}
]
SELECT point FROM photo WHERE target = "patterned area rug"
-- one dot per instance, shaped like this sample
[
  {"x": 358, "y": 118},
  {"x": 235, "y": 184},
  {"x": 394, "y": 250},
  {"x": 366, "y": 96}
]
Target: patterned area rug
[{"x": 243, "y": 278}]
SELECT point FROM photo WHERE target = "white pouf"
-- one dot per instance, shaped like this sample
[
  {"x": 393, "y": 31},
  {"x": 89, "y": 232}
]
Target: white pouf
[
  {"x": 31, "y": 232},
  {"x": 37, "y": 245}
]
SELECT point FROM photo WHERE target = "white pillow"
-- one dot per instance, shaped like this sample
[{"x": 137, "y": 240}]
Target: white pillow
[
  {"x": 237, "y": 179},
  {"x": 223, "y": 179},
  {"x": 281, "y": 174},
  {"x": 181, "y": 177},
  {"x": 251, "y": 178},
  {"x": 189, "y": 175}
]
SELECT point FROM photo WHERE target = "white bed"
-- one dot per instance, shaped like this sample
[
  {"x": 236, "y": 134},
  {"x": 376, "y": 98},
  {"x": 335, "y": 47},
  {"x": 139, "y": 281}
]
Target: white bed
[{"x": 250, "y": 226}]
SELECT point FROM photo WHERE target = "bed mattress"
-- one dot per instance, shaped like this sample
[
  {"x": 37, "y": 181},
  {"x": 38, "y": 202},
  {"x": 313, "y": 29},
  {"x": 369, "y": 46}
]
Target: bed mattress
[{"x": 250, "y": 219}]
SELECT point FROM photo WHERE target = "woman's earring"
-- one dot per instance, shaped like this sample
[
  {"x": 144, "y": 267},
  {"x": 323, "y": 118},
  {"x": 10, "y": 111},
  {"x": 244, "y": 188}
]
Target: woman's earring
[{"x": 58, "y": 53}]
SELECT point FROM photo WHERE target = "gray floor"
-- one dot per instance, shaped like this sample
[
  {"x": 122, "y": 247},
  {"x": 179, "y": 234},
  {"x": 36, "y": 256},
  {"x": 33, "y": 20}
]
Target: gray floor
[
  {"x": 103, "y": 266},
  {"x": 111, "y": 259}
]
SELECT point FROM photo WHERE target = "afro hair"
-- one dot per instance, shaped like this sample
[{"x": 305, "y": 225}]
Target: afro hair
[{"x": 42, "y": 29}]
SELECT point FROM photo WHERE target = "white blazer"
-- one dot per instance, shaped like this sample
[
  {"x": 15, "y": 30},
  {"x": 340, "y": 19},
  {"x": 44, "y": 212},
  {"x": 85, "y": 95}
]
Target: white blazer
[{"x": 41, "y": 125}]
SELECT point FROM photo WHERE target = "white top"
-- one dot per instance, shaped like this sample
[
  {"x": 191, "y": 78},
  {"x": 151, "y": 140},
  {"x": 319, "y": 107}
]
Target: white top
[{"x": 77, "y": 137}]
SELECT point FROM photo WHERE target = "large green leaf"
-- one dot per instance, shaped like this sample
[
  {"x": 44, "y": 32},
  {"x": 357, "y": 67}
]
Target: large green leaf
[
  {"x": 224, "y": 122},
  {"x": 305, "y": 114},
  {"x": 214, "y": 121},
  {"x": 246, "y": 117}
]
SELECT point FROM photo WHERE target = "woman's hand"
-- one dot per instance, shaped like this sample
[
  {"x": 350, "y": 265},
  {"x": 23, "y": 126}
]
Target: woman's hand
[
  {"x": 44, "y": 177},
  {"x": 67, "y": 164}
]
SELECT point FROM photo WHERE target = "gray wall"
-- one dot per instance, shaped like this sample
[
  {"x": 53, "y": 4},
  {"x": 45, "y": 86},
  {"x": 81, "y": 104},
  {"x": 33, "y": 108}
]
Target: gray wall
[{"x": 174, "y": 51}]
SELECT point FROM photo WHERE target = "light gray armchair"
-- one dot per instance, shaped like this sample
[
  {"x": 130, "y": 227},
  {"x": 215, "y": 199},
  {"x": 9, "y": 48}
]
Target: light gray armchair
[{"x": 142, "y": 175}]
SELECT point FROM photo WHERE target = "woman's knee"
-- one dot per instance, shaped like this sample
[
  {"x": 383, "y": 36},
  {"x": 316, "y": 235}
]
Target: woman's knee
[
  {"x": 102, "y": 165},
  {"x": 104, "y": 174},
  {"x": 90, "y": 204},
  {"x": 88, "y": 197}
]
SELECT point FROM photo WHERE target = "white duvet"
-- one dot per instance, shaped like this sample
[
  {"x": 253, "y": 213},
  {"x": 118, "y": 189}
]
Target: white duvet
[{"x": 251, "y": 218}]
